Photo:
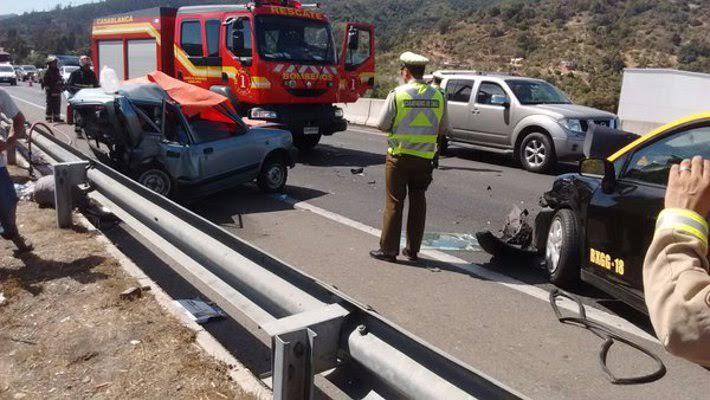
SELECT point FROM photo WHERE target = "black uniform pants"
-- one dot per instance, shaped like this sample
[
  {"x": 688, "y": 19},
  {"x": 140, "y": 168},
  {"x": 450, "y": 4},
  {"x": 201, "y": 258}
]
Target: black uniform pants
[
  {"x": 54, "y": 101},
  {"x": 404, "y": 175}
]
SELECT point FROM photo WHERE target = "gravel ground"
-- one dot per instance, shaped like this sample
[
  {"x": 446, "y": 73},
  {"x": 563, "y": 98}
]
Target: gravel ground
[{"x": 65, "y": 331}]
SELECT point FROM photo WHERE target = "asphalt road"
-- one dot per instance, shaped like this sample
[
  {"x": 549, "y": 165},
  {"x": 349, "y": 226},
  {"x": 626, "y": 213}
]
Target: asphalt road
[{"x": 490, "y": 314}]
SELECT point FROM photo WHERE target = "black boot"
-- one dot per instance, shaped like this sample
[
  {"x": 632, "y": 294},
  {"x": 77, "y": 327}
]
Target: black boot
[{"x": 381, "y": 255}]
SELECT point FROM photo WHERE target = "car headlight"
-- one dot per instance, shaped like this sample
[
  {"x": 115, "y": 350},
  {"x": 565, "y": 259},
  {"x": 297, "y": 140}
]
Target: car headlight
[
  {"x": 258, "y": 113},
  {"x": 572, "y": 124},
  {"x": 339, "y": 112}
]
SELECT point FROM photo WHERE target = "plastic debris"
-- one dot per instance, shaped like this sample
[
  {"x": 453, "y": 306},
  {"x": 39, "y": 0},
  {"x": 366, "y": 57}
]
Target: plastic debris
[
  {"x": 448, "y": 242},
  {"x": 199, "y": 310},
  {"x": 3, "y": 299},
  {"x": 357, "y": 171},
  {"x": 517, "y": 230}
]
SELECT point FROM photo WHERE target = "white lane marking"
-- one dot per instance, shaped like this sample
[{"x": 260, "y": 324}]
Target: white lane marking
[
  {"x": 366, "y": 132},
  {"x": 507, "y": 281},
  {"x": 32, "y": 104}
]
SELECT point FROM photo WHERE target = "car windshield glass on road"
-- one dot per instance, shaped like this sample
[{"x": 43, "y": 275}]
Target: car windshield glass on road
[
  {"x": 536, "y": 92},
  {"x": 6, "y": 68},
  {"x": 294, "y": 39}
]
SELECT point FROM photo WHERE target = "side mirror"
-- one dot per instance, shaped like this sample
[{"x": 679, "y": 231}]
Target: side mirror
[
  {"x": 353, "y": 39},
  {"x": 600, "y": 168},
  {"x": 500, "y": 100}
]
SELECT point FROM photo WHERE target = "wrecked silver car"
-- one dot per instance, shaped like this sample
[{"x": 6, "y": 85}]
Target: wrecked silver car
[{"x": 177, "y": 149}]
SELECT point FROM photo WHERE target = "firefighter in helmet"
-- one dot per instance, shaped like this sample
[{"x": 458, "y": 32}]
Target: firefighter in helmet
[
  {"x": 414, "y": 116},
  {"x": 82, "y": 78},
  {"x": 53, "y": 86}
]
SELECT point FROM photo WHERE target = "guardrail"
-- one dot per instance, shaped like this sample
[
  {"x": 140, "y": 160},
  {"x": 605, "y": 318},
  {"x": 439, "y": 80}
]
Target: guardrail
[{"x": 309, "y": 326}]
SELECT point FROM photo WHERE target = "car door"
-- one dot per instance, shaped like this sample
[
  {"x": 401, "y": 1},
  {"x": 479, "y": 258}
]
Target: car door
[
  {"x": 458, "y": 95},
  {"x": 491, "y": 122},
  {"x": 620, "y": 224},
  {"x": 226, "y": 155}
]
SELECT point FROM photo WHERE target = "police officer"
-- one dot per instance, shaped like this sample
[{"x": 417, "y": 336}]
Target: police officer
[
  {"x": 82, "y": 78},
  {"x": 414, "y": 115},
  {"x": 53, "y": 86},
  {"x": 675, "y": 273},
  {"x": 436, "y": 80}
]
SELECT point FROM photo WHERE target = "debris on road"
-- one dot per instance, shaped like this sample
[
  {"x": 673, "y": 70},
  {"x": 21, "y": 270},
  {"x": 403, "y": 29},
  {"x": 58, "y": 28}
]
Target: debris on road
[
  {"x": 371, "y": 182},
  {"x": 199, "y": 310},
  {"x": 357, "y": 171},
  {"x": 449, "y": 242},
  {"x": 516, "y": 239}
]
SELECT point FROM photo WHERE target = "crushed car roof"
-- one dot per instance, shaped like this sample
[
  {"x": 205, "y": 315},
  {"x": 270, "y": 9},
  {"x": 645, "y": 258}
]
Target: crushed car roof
[{"x": 144, "y": 92}]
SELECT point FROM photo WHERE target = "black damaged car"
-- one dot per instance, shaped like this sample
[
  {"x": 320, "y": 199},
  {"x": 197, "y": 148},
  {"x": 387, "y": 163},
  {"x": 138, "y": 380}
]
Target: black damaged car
[{"x": 599, "y": 222}]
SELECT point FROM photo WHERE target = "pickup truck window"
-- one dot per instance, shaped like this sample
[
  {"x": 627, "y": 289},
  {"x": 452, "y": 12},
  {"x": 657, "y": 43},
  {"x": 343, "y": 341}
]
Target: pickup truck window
[
  {"x": 652, "y": 163},
  {"x": 459, "y": 90},
  {"x": 531, "y": 92},
  {"x": 191, "y": 38},
  {"x": 486, "y": 92}
]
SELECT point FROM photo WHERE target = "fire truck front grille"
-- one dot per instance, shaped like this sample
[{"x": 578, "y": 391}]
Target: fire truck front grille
[{"x": 307, "y": 92}]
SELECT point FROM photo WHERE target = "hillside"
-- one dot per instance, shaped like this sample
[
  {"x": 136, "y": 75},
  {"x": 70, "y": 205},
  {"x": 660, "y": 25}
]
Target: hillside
[{"x": 581, "y": 45}]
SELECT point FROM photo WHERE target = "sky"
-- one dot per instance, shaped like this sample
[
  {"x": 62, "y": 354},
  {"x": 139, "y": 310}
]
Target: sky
[{"x": 19, "y": 6}]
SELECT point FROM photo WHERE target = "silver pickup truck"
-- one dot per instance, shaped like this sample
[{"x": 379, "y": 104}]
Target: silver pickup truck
[{"x": 528, "y": 118}]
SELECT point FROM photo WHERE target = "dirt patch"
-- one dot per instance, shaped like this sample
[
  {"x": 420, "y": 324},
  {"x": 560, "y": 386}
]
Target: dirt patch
[{"x": 65, "y": 331}]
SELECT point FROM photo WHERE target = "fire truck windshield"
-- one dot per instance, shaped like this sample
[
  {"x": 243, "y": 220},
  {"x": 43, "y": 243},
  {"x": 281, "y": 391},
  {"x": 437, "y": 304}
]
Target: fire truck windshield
[{"x": 294, "y": 39}]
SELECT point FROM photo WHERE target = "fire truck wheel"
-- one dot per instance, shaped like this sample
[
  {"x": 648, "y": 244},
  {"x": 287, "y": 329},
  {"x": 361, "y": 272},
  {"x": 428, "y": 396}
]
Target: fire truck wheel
[
  {"x": 306, "y": 142},
  {"x": 155, "y": 178},
  {"x": 273, "y": 175}
]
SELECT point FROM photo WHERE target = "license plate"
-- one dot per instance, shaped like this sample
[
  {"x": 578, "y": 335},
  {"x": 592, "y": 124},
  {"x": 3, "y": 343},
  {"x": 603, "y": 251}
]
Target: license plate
[{"x": 310, "y": 130}]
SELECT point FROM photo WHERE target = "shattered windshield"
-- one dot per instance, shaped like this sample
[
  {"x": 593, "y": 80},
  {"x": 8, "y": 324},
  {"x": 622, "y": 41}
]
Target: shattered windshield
[
  {"x": 294, "y": 39},
  {"x": 536, "y": 92}
]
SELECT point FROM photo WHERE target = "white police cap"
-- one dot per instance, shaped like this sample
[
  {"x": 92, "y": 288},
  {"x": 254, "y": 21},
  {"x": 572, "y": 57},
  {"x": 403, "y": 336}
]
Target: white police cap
[{"x": 409, "y": 58}]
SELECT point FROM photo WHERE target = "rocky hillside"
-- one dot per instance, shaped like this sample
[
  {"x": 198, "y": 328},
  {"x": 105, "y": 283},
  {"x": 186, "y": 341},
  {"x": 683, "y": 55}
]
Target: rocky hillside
[{"x": 581, "y": 45}]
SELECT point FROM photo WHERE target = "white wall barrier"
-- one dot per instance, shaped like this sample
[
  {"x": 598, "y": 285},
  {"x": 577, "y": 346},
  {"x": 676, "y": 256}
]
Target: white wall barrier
[{"x": 363, "y": 112}]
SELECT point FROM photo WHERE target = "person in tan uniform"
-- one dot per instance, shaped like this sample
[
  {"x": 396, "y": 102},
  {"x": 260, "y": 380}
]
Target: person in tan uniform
[
  {"x": 676, "y": 274},
  {"x": 414, "y": 115}
]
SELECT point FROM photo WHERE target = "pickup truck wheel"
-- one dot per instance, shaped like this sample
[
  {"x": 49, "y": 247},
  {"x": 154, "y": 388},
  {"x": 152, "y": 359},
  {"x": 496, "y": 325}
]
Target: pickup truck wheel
[
  {"x": 306, "y": 142},
  {"x": 156, "y": 179},
  {"x": 562, "y": 249},
  {"x": 536, "y": 152},
  {"x": 273, "y": 175}
]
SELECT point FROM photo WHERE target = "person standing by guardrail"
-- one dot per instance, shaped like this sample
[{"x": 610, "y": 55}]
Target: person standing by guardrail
[
  {"x": 414, "y": 115},
  {"x": 676, "y": 274},
  {"x": 8, "y": 196},
  {"x": 53, "y": 86}
]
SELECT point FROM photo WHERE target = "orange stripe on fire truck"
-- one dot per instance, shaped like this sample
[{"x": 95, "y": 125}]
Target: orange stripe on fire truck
[{"x": 140, "y": 27}]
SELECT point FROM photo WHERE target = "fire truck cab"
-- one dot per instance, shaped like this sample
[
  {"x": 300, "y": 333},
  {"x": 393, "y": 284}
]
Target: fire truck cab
[{"x": 276, "y": 59}]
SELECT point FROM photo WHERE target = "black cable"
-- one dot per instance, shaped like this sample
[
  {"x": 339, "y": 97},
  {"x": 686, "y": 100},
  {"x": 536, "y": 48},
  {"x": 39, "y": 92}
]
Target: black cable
[{"x": 609, "y": 338}]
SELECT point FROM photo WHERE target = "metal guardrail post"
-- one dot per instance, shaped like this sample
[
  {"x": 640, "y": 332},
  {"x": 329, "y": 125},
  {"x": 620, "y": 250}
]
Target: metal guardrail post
[
  {"x": 293, "y": 365},
  {"x": 66, "y": 176}
]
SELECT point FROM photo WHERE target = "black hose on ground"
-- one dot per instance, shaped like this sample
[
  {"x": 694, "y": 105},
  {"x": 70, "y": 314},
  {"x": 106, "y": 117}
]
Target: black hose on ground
[{"x": 609, "y": 338}]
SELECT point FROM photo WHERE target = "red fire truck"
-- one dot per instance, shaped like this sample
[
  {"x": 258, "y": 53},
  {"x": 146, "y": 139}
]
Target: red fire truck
[{"x": 276, "y": 59}]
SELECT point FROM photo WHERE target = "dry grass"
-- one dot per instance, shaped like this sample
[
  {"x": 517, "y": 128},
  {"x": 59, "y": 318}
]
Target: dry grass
[{"x": 65, "y": 332}]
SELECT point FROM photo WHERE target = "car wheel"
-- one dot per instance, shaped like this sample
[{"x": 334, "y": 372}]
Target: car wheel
[
  {"x": 536, "y": 152},
  {"x": 273, "y": 175},
  {"x": 156, "y": 179},
  {"x": 306, "y": 142},
  {"x": 13, "y": 83},
  {"x": 562, "y": 249}
]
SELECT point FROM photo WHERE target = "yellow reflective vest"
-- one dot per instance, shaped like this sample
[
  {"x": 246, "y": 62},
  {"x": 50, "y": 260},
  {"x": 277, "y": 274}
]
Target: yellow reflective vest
[{"x": 420, "y": 109}]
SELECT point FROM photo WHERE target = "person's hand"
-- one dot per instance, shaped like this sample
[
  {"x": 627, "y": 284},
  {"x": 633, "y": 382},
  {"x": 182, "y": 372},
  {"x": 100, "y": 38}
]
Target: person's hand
[{"x": 689, "y": 186}]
